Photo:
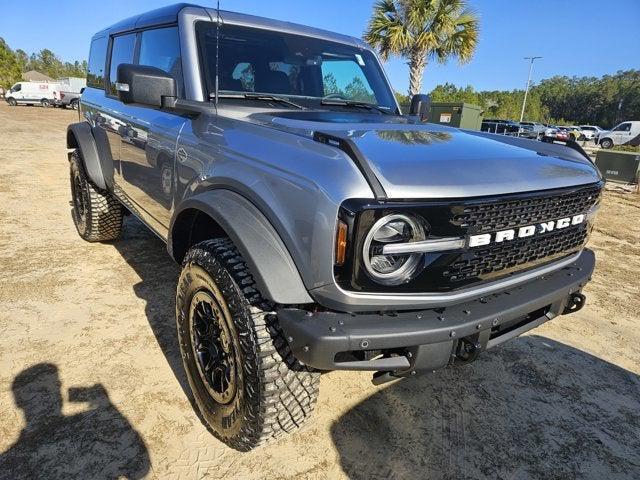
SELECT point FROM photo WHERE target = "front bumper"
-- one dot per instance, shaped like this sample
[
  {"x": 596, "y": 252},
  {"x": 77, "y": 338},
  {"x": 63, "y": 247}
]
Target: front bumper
[{"x": 425, "y": 340}]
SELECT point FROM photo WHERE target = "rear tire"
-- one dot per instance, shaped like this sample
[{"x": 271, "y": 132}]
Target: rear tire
[
  {"x": 96, "y": 213},
  {"x": 247, "y": 385},
  {"x": 73, "y": 104},
  {"x": 45, "y": 103}
]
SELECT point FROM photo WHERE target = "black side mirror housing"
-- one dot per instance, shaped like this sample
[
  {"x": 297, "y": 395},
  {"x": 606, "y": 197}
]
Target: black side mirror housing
[
  {"x": 144, "y": 85},
  {"x": 420, "y": 105}
]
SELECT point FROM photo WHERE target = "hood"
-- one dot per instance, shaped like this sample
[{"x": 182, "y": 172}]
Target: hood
[{"x": 418, "y": 160}]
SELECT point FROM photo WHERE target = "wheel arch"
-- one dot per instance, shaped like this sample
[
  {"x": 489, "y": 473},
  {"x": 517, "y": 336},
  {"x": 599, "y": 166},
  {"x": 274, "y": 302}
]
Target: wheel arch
[
  {"x": 224, "y": 213},
  {"x": 95, "y": 152}
]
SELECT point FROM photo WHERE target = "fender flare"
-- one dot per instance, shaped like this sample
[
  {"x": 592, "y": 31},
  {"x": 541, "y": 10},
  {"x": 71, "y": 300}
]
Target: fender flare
[
  {"x": 260, "y": 245},
  {"x": 98, "y": 167}
]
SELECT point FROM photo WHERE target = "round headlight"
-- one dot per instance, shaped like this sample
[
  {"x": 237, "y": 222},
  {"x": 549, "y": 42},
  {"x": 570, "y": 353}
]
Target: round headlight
[{"x": 397, "y": 268}]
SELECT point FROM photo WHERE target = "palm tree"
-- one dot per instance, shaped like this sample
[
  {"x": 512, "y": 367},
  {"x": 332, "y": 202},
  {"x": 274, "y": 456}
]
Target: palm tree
[{"x": 423, "y": 30}]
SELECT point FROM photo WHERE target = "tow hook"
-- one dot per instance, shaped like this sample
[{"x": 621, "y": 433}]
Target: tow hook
[
  {"x": 468, "y": 349},
  {"x": 380, "y": 378},
  {"x": 575, "y": 303}
]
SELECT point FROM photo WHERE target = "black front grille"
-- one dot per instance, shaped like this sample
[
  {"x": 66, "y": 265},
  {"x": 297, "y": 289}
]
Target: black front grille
[
  {"x": 486, "y": 262},
  {"x": 451, "y": 270},
  {"x": 500, "y": 215}
]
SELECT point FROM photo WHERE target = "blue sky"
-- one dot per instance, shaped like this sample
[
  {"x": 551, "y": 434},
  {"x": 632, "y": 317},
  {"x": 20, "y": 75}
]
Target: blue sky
[{"x": 584, "y": 38}]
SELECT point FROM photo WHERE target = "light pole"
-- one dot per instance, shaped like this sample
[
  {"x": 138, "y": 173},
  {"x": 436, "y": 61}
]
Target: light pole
[{"x": 526, "y": 92}]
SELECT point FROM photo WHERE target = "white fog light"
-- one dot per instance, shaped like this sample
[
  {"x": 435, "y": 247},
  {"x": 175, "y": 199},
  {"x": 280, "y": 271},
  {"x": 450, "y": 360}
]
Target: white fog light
[{"x": 392, "y": 269}]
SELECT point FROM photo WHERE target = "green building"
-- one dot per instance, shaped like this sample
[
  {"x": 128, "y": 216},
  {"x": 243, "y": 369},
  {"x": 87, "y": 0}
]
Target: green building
[{"x": 456, "y": 114}]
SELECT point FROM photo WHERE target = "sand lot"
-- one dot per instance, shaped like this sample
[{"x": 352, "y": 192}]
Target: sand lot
[{"x": 91, "y": 384}]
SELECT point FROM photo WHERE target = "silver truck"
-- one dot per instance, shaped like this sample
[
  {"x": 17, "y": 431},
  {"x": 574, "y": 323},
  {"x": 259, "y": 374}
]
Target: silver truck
[{"x": 317, "y": 227}]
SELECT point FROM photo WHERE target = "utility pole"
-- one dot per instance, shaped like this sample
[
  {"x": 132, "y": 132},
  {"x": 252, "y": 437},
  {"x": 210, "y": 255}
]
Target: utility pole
[{"x": 526, "y": 92}]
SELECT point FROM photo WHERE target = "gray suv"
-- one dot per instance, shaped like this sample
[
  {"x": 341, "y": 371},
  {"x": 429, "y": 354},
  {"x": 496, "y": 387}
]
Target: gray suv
[{"x": 317, "y": 227}]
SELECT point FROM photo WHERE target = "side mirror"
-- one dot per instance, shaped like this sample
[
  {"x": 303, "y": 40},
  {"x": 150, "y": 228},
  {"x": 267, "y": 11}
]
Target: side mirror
[
  {"x": 420, "y": 105},
  {"x": 144, "y": 85},
  {"x": 82, "y": 90}
]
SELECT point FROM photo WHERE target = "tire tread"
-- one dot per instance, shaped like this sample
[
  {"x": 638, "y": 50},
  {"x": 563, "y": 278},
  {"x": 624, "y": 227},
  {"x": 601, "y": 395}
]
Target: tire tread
[
  {"x": 284, "y": 397},
  {"x": 104, "y": 211}
]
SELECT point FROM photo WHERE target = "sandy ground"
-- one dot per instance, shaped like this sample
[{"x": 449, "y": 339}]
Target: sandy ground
[{"x": 91, "y": 384}]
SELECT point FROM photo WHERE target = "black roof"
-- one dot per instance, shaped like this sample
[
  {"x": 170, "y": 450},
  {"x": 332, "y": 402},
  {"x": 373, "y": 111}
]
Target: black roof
[{"x": 160, "y": 16}]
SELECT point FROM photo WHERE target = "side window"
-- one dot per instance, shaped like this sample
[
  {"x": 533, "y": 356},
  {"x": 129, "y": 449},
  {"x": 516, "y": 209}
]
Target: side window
[
  {"x": 160, "y": 48},
  {"x": 17, "y": 87},
  {"x": 121, "y": 52},
  {"x": 623, "y": 127},
  {"x": 345, "y": 78},
  {"x": 97, "y": 62}
]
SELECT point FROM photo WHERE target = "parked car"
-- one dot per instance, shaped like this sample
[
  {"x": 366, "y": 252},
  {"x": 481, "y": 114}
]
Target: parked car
[
  {"x": 555, "y": 134},
  {"x": 70, "y": 90},
  {"x": 590, "y": 132},
  {"x": 527, "y": 131},
  {"x": 32, "y": 93},
  {"x": 317, "y": 228},
  {"x": 66, "y": 99},
  {"x": 504, "y": 127},
  {"x": 625, "y": 133},
  {"x": 537, "y": 127},
  {"x": 574, "y": 132}
]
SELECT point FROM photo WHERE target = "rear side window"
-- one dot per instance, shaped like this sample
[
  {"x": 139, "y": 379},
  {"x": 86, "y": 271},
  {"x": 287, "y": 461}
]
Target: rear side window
[
  {"x": 97, "y": 62},
  {"x": 121, "y": 52},
  {"x": 160, "y": 48}
]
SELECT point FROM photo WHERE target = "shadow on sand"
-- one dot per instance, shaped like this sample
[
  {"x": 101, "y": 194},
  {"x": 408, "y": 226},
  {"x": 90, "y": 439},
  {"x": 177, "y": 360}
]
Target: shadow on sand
[
  {"x": 532, "y": 408},
  {"x": 96, "y": 443},
  {"x": 148, "y": 256}
]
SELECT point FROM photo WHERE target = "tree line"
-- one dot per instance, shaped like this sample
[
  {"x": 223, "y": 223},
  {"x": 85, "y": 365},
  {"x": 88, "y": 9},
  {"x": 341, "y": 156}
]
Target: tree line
[
  {"x": 13, "y": 63},
  {"x": 559, "y": 100}
]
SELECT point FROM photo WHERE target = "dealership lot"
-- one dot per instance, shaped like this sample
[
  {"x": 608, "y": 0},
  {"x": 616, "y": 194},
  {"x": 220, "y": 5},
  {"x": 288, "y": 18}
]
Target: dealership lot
[{"x": 91, "y": 381}]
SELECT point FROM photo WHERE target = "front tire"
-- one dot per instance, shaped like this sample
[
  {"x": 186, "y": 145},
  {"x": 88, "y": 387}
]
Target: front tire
[
  {"x": 45, "y": 103},
  {"x": 607, "y": 143},
  {"x": 247, "y": 385},
  {"x": 12, "y": 102},
  {"x": 96, "y": 213},
  {"x": 73, "y": 104}
]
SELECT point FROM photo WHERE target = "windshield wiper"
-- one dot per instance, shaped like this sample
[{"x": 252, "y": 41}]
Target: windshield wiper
[
  {"x": 259, "y": 96},
  {"x": 353, "y": 104}
]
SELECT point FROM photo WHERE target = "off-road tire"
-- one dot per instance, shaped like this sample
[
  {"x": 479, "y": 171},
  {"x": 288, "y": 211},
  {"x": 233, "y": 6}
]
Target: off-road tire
[
  {"x": 12, "y": 102},
  {"x": 96, "y": 213},
  {"x": 275, "y": 394}
]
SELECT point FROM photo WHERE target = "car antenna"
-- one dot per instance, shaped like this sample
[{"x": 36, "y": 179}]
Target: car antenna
[{"x": 217, "y": 50}]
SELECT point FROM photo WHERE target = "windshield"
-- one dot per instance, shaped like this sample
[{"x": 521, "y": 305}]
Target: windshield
[{"x": 308, "y": 69}]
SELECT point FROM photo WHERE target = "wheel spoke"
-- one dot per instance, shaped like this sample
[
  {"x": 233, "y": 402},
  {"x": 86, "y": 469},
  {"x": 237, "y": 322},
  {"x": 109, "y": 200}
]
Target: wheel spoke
[{"x": 213, "y": 349}]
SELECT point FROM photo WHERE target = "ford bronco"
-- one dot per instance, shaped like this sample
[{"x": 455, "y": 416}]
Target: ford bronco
[{"x": 318, "y": 227}]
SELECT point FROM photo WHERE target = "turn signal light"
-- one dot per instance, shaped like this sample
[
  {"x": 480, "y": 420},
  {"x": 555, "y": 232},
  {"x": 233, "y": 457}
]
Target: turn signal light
[{"x": 341, "y": 243}]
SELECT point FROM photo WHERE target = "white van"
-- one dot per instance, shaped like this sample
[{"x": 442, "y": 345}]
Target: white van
[
  {"x": 626, "y": 133},
  {"x": 33, "y": 93}
]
